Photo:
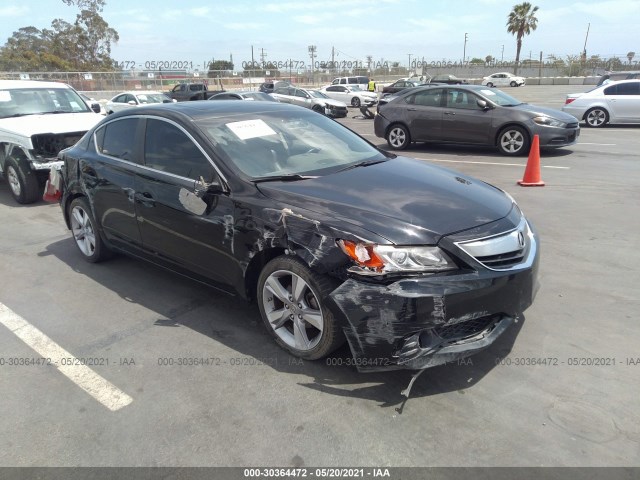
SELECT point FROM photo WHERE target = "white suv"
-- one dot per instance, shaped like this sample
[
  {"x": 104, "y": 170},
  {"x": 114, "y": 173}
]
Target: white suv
[
  {"x": 358, "y": 81},
  {"x": 37, "y": 120}
]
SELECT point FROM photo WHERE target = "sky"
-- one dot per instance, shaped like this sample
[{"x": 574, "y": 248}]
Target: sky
[{"x": 196, "y": 31}]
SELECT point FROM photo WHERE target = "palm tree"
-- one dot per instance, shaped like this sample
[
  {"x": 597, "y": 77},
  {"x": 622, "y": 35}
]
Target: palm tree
[{"x": 520, "y": 22}]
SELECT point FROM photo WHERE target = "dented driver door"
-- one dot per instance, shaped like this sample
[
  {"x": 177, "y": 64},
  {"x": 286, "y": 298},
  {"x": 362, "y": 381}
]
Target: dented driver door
[{"x": 177, "y": 226}]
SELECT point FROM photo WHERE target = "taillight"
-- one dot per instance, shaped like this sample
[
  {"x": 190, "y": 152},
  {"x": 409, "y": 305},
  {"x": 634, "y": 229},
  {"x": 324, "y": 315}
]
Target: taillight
[{"x": 568, "y": 101}]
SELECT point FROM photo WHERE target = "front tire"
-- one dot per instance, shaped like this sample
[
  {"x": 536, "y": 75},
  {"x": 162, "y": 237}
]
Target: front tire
[
  {"x": 355, "y": 102},
  {"x": 23, "y": 183},
  {"x": 489, "y": 84},
  {"x": 85, "y": 235},
  {"x": 513, "y": 84},
  {"x": 291, "y": 301},
  {"x": 318, "y": 109},
  {"x": 596, "y": 117},
  {"x": 513, "y": 141},
  {"x": 398, "y": 137}
]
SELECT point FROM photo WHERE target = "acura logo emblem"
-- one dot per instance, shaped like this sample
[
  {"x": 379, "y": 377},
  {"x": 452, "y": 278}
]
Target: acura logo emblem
[{"x": 521, "y": 239}]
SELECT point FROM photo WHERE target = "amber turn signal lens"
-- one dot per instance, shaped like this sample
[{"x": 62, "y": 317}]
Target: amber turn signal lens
[{"x": 362, "y": 254}]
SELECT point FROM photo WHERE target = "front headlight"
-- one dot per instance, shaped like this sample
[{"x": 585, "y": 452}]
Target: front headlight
[
  {"x": 549, "y": 122},
  {"x": 381, "y": 259}
]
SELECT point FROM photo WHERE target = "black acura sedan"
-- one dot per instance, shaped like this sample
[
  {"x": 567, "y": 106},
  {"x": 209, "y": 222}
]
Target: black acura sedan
[
  {"x": 413, "y": 265},
  {"x": 471, "y": 114}
]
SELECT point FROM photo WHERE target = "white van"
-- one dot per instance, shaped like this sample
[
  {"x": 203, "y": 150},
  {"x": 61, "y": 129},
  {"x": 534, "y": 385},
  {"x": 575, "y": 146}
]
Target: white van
[{"x": 359, "y": 81}]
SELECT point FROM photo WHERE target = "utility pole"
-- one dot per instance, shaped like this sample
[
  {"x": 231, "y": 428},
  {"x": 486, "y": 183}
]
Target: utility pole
[
  {"x": 263, "y": 55},
  {"x": 312, "y": 54},
  {"x": 333, "y": 59},
  {"x": 464, "y": 51},
  {"x": 584, "y": 50},
  {"x": 409, "y": 66},
  {"x": 502, "y": 55}
]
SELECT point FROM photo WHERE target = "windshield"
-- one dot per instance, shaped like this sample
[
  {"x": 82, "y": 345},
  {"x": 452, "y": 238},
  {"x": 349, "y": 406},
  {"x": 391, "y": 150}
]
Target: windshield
[
  {"x": 500, "y": 98},
  {"x": 316, "y": 94},
  {"x": 286, "y": 143},
  {"x": 33, "y": 101}
]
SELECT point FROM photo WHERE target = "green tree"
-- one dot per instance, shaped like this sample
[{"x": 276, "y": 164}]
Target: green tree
[
  {"x": 218, "y": 68},
  {"x": 84, "y": 45},
  {"x": 520, "y": 22}
]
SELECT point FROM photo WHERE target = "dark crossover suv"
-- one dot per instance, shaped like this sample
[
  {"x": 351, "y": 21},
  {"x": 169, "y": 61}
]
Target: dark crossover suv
[
  {"x": 414, "y": 265},
  {"x": 471, "y": 114}
]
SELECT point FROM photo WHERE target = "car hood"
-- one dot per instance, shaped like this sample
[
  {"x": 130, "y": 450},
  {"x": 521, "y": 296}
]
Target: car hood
[
  {"x": 51, "y": 123},
  {"x": 549, "y": 112},
  {"x": 403, "y": 200}
]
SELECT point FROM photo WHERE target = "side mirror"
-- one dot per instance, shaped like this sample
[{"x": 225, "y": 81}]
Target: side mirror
[
  {"x": 95, "y": 107},
  {"x": 131, "y": 102},
  {"x": 202, "y": 188},
  {"x": 483, "y": 105}
]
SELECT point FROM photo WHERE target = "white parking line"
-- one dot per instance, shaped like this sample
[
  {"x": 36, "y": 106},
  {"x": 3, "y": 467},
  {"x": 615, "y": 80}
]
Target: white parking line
[
  {"x": 601, "y": 144},
  {"x": 489, "y": 163},
  {"x": 103, "y": 391}
]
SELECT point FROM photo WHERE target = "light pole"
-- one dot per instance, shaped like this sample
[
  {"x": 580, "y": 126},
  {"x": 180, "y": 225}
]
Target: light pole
[
  {"x": 464, "y": 52},
  {"x": 502, "y": 55},
  {"x": 312, "y": 54},
  {"x": 409, "y": 67}
]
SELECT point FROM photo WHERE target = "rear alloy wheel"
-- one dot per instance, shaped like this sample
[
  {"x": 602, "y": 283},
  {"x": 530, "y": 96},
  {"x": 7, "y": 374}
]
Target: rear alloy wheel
[
  {"x": 24, "y": 185},
  {"x": 290, "y": 299},
  {"x": 513, "y": 84},
  {"x": 355, "y": 102},
  {"x": 513, "y": 141},
  {"x": 596, "y": 117},
  {"x": 398, "y": 137},
  {"x": 84, "y": 231}
]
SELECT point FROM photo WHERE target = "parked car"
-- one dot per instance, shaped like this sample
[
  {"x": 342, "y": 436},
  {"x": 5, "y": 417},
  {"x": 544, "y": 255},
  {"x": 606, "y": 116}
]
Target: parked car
[
  {"x": 503, "y": 79},
  {"x": 471, "y": 114},
  {"x": 356, "y": 81},
  {"x": 334, "y": 238},
  {"x": 37, "y": 120},
  {"x": 447, "y": 79},
  {"x": 617, "y": 76},
  {"x": 268, "y": 87},
  {"x": 400, "y": 85},
  {"x": 135, "y": 99},
  {"x": 246, "y": 95},
  {"x": 183, "y": 92},
  {"x": 313, "y": 99},
  {"x": 615, "y": 102},
  {"x": 351, "y": 95}
]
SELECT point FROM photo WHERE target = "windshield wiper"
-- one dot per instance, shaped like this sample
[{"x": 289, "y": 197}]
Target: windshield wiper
[
  {"x": 364, "y": 163},
  {"x": 290, "y": 177},
  {"x": 15, "y": 115}
]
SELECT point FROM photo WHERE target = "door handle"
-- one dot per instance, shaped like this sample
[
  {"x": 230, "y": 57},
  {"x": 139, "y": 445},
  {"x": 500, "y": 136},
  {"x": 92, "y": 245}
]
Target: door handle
[
  {"x": 449, "y": 113},
  {"x": 145, "y": 199}
]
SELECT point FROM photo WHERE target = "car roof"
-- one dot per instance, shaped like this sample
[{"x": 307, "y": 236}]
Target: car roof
[
  {"x": 201, "y": 109},
  {"x": 139, "y": 92},
  {"x": 14, "y": 84}
]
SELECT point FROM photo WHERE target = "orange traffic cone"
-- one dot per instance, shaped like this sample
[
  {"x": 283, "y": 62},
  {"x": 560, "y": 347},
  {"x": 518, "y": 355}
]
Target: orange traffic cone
[{"x": 532, "y": 172}]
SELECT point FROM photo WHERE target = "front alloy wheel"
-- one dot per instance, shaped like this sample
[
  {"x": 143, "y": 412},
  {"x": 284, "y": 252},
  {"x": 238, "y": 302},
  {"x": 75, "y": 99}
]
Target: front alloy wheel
[
  {"x": 596, "y": 117},
  {"x": 513, "y": 141},
  {"x": 290, "y": 300},
  {"x": 398, "y": 137},
  {"x": 355, "y": 102}
]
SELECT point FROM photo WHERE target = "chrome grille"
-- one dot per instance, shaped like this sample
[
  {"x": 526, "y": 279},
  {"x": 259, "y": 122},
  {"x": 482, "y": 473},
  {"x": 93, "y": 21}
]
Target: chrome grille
[{"x": 504, "y": 251}]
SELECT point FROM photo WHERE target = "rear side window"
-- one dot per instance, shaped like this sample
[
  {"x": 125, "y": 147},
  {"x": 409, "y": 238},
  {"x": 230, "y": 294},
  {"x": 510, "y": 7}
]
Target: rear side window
[
  {"x": 118, "y": 139},
  {"x": 632, "y": 88}
]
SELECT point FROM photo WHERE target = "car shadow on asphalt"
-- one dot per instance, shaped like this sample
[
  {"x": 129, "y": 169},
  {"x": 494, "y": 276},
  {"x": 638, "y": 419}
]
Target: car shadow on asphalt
[
  {"x": 473, "y": 150},
  {"x": 178, "y": 302}
]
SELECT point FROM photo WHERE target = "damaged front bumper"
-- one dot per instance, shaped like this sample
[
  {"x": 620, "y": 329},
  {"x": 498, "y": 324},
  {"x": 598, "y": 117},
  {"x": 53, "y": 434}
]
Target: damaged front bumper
[{"x": 421, "y": 322}]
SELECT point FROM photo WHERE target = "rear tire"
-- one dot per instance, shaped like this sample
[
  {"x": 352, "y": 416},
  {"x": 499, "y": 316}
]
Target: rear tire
[
  {"x": 85, "y": 234},
  {"x": 291, "y": 300},
  {"x": 596, "y": 117},
  {"x": 23, "y": 182},
  {"x": 398, "y": 137}
]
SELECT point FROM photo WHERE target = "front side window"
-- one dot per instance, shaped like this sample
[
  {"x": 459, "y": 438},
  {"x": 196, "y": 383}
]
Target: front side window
[
  {"x": 170, "y": 150},
  {"x": 118, "y": 139},
  {"x": 462, "y": 99}
]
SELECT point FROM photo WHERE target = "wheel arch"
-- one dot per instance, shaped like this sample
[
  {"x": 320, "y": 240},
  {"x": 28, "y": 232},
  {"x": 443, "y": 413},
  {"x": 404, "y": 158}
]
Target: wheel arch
[
  {"x": 502, "y": 128},
  {"x": 256, "y": 264}
]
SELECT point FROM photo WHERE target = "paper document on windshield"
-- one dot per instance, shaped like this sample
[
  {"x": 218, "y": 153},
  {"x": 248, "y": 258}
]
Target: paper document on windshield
[{"x": 250, "y": 129}]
